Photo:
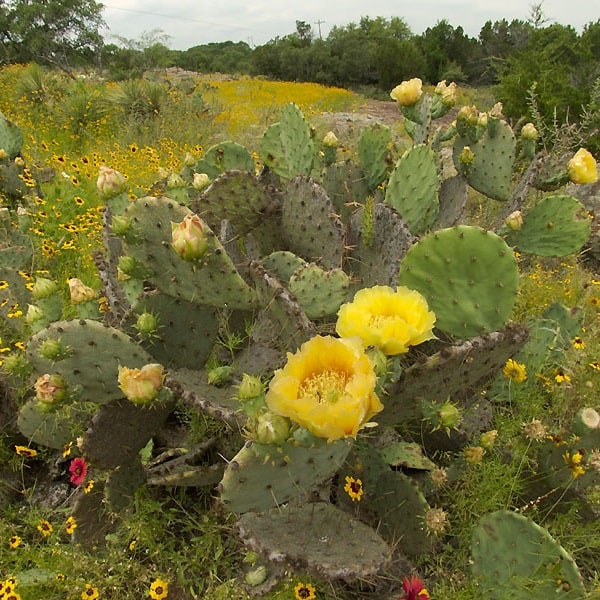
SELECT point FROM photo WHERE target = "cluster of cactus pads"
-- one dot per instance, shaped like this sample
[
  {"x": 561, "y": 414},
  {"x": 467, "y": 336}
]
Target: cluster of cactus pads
[{"x": 271, "y": 258}]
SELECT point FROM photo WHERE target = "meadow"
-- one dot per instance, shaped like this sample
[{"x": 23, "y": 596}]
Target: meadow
[{"x": 174, "y": 541}]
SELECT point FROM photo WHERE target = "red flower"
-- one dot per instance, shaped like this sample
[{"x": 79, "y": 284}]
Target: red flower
[
  {"x": 414, "y": 589},
  {"x": 78, "y": 470}
]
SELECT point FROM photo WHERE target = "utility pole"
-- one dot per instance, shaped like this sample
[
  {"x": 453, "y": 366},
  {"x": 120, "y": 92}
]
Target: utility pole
[{"x": 318, "y": 23}]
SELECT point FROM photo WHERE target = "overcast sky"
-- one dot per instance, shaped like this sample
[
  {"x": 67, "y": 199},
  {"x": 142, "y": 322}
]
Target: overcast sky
[{"x": 192, "y": 23}]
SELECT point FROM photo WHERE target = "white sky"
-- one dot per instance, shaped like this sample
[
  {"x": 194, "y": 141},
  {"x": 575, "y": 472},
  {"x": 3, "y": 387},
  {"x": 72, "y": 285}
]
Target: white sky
[{"x": 192, "y": 22}]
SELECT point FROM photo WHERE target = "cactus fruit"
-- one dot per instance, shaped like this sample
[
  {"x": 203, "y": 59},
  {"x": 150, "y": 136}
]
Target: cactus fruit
[
  {"x": 452, "y": 269},
  {"x": 514, "y": 557}
]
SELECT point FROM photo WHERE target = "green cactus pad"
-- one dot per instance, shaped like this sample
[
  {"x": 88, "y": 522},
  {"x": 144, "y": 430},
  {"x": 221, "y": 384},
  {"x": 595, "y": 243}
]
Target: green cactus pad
[
  {"x": 260, "y": 476},
  {"x": 120, "y": 429},
  {"x": 453, "y": 201},
  {"x": 401, "y": 508},
  {"x": 223, "y": 157},
  {"x": 54, "y": 429},
  {"x": 186, "y": 332},
  {"x": 346, "y": 184},
  {"x": 407, "y": 455},
  {"x": 317, "y": 537},
  {"x": 121, "y": 484},
  {"x": 211, "y": 280},
  {"x": 98, "y": 351},
  {"x": 310, "y": 225},
  {"x": 373, "y": 150},
  {"x": 282, "y": 264},
  {"x": 491, "y": 171},
  {"x": 469, "y": 277},
  {"x": 456, "y": 372},
  {"x": 555, "y": 226},
  {"x": 413, "y": 188},
  {"x": 320, "y": 293},
  {"x": 14, "y": 296},
  {"x": 94, "y": 521},
  {"x": 514, "y": 558},
  {"x": 16, "y": 248},
  {"x": 238, "y": 197},
  {"x": 377, "y": 246},
  {"x": 11, "y": 138}
]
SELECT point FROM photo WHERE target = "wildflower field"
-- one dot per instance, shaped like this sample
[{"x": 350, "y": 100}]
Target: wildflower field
[{"x": 239, "y": 359}]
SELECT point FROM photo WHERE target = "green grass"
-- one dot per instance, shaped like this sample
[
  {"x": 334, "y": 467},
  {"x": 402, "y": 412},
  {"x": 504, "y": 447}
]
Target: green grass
[{"x": 180, "y": 535}]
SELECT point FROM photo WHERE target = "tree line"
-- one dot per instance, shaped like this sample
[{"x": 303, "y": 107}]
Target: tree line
[{"x": 375, "y": 53}]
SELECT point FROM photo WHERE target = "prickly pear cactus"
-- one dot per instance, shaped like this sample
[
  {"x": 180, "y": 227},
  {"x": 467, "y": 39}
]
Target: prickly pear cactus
[{"x": 515, "y": 558}]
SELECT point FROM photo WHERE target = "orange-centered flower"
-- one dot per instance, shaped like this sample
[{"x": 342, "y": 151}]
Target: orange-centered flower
[
  {"x": 391, "y": 320},
  {"x": 328, "y": 387}
]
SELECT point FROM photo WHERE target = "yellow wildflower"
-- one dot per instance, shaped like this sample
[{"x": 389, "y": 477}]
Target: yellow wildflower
[
  {"x": 582, "y": 167},
  {"x": 515, "y": 371}
]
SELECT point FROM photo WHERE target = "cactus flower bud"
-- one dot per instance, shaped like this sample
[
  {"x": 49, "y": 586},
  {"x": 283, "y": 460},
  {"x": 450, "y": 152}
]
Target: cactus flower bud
[
  {"x": 79, "y": 291},
  {"x": 219, "y": 375},
  {"x": 468, "y": 115},
  {"x": 19, "y": 162},
  {"x": 482, "y": 120},
  {"x": 529, "y": 132},
  {"x": 330, "y": 140},
  {"x": 200, "y": 181},
  {"x": 582, "y": 167},
  {"x": 514, "y": 221},
  {"x": 189, "y": 160},
  {"x": 3, "y": 153},
  {"x": 174, "y": 180},
  {"x": 496, "y": 111},
  {"x": 447, "y": 92},
  {"x": 141, "y": 386},
  {"x": 110, "y": 182},
  {"x": 467, "y": 156},
  {"x": 53, "y": 349},
  {"x": 408, "y": 92},
  {"x": 250, "y": 387},
  {"x": 272, "y": 429},
  {"x": 34, "y": 314},
  {"x": 50, "y": 389},
  {"x": 120, "y": 224},
  {"x": 44, "y": 288},
  {"x": 189, "y": 238},
  {"x": 256, "y": 576},
  {"x": 474, "y": 454},
  {"x": 16, "y": 364},
  {"x": 147, "y": 324}
]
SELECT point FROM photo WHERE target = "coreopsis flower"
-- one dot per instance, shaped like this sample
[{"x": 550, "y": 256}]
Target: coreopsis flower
[
  {"x": 45, "y": 528},
  {"x": 304, "y": 591},
  {"x": 110, "y": 182},
  {"x": 188, "y": 238},
  {"x": 561, "y": 377},
  {"x": 159, "y": 589},
  {"x": 140, "y": 386},
  {"x": 25, "y": 451},
  {"x": 78, "y": 470},
  {"x": 50, "y": 388},
  {"x": 414, "y": 589},
  {"x": 328, "y": 387},
  {"x": 70, "y": 525},
  {"x": 14, "y": 541},
  {"x": 447, "y": 92},
  {"x": 408, "y": 92},
  {"x": 529, "y": 132},
  {"x": 354, "y": 488},
  {"x": 391, "y": 320},
  {"x": 578, "y": 343},
  {"x": 514, "y": 371},
  {"x": 89, "y": 593},
  {"x": 582, "y": 167},
  {"x": 79, "y": 291}
]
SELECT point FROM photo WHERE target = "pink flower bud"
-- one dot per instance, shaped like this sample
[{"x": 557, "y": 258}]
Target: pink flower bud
[
  {"x": 110, "y": 182},
  {"x": 189, "y": 238}
]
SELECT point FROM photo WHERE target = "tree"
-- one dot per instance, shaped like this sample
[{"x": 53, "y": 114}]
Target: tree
[{"x": 54, "y": 32}]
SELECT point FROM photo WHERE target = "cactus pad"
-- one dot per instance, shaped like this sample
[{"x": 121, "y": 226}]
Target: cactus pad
[
  {"x": 312, "y": 229},
  {"x": 223, "y": 157},
  {"x": 261, "y": 476},
  {"x": 211, "y": 280},
  {"x": 373, "y": 149},
  {"x": 514, "y": 558},
  {"x": 468, "y": 275},
  {"x": 317, "y": 537}
]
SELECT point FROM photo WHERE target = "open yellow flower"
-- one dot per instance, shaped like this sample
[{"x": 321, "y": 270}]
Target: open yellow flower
[
  {"x": 328, "y": 387},
  {"x": 582, "y": 167},
  {"x": 408, "y": 92},
  {"x": 391, "y": 320}
]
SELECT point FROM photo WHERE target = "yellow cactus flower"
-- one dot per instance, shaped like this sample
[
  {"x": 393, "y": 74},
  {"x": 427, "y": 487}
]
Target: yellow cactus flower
[
  {"x": 447, "y": 92},
  {"x": 330, "y": 140},
  {"x": 391, "y": 320},
  {"x": 140, "y": 386},
  {"x": 79, "y": 291},
  {"x": 408, "y": 92},
  {"x": 529, "y": 132},
  {"x": 582, "y": 167},
  {"x": 328, "y": 387}
]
